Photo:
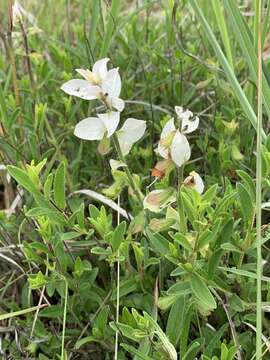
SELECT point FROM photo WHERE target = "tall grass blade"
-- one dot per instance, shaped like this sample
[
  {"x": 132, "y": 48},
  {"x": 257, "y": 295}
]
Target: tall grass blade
[
  {"x": 245, "y": 41},
  {"x": 220, "y": 19},
  {"x": 111, "y": 25},
  {"x": 259, "y": 191},
  {"x": 95, "y": 13},
  {"x": 266, "y": 23},
  {"x": 226, "y": 66}
]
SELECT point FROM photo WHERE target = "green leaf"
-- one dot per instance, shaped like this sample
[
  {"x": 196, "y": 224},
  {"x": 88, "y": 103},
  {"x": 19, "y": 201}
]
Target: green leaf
[
  {"x": 22, "y": 179},
  {"x": 246, "y": 273},
  {"x": 192, "y": 351},
  {"x": 202, "y": 292},
  {"x": 59, "y": 186},
  {"x": 213, "y": 343},
  {"x": 132, "y": 350},
  {"x": 126, "y": 287},
  {"x": 38, "y": 280},
  {"x": 210, "y": 194},
  {"x": 158, "y": 242},
  {"x": 48, "y": 186},
  {"x": 78, "y": 267},
  {"x": 53, "y": 311},
  {"x": 175, "y": 320},
  {"x": 213, "y": 262},
  {"x": 181, "y": 239},
  {"x": 101, "y": 320},
  {"x": 84, "y": 341},
  {"x": 249, "y": 183},
  {"x": 118, "y": 235},
  {"x": 50, "y": 212},
  {"x": 247, "y": 207},
  {"x": 180, "y": 288}
]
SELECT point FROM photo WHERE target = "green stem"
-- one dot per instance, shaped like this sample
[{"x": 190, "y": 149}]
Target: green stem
[
  {"x": 127, "y": 171},
  {"x": 64, "y": 322},
  {"x": 182, "y": 218},
  {"x": 259, "y": 190}
]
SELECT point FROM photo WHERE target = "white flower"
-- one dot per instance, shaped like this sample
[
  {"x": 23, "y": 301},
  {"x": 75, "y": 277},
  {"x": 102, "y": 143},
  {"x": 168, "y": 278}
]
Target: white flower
[
  {"x": 94, "y": 128},
  {"x": 194, "y": 181},
  {"x": 173, "y": 143},
  {"x": 187, "y": 125},
  {"x": 99, "y": 83},
  {"x": 132, "y": 131}
]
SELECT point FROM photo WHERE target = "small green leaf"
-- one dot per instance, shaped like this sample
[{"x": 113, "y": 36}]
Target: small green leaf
[
  {"x": 22, "y": 179},
  {"x": 59, "y": 186},
  {"x": 53, "y": 311},
  {"x": 202, "y": 292},
  {"x": 158, "y": 242},
  {"x": 48, "y": 186},
  {"x": 246, "y": 204},
  {"x": 118, "y": 235},
  {"x": 180, "y": 288},
  {"x": 78, "y": 267}
]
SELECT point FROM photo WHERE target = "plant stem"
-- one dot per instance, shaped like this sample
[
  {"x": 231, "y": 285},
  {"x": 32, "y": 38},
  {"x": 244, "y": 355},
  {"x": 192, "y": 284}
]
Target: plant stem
[
  {"x": 118, "y": 289},
  {"x": 259, "y": 190},
  {"x": 182, "y": 220},
  {"x": 64, "y": 322},
  {"x": 27, "y": 56},
  {"x": 128, "y": 173}
]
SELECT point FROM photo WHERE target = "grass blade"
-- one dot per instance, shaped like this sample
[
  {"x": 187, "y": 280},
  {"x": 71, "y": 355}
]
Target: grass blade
[
  {"x": 94, "y": 22},
  {"x": 219, "y": 14},
  {"x": 226, "y": 66},
  {"x": 111, "y": 24},
  {"x": 20, "y": 312},
  {"x": 243, "y": 37},
  {"x": 259, "y": 190}
]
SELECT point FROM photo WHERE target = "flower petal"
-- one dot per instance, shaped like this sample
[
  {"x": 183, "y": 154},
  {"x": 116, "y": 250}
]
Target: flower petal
[
  {"x": 168, "y": 128},
  {"x": 130, "y": 132},
  {"x": 91, "y": 128},
  {"x": 180, "y": 149},
  {"x": 92, "y": 78},
  {"x": 118, "y": 103},
  {"x": 112, "y": 83},
  {"x": 183, "y": 114},
  {"x": 81, "y": 88},
  {"x": 100, "y": 68},
  {"x": 163, "y": 151},
  {"x": 163, "y": 147},
  {"x": 195, "y": 182},
  {"x": 189, "y": 126},
  {"x": 115, "y": 164},
  {"x": 125, "y": 147},
  {"x": 110, "y": 120}
]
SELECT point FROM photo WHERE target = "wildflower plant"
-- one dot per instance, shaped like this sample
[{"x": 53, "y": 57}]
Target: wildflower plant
[
  {"x": 105, "y": 85},
  {"x": 174, "y": 147},
  {"x": 158, "y": 265}
]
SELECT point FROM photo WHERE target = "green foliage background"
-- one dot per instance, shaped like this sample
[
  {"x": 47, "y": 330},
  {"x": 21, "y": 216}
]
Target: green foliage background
[{"x": 192, "y": 294}]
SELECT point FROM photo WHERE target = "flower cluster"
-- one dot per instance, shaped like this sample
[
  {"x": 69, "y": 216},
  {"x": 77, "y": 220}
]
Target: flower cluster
[
  {"x": 104, "y": 85},
  {"x": 174, "y": 148}
]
